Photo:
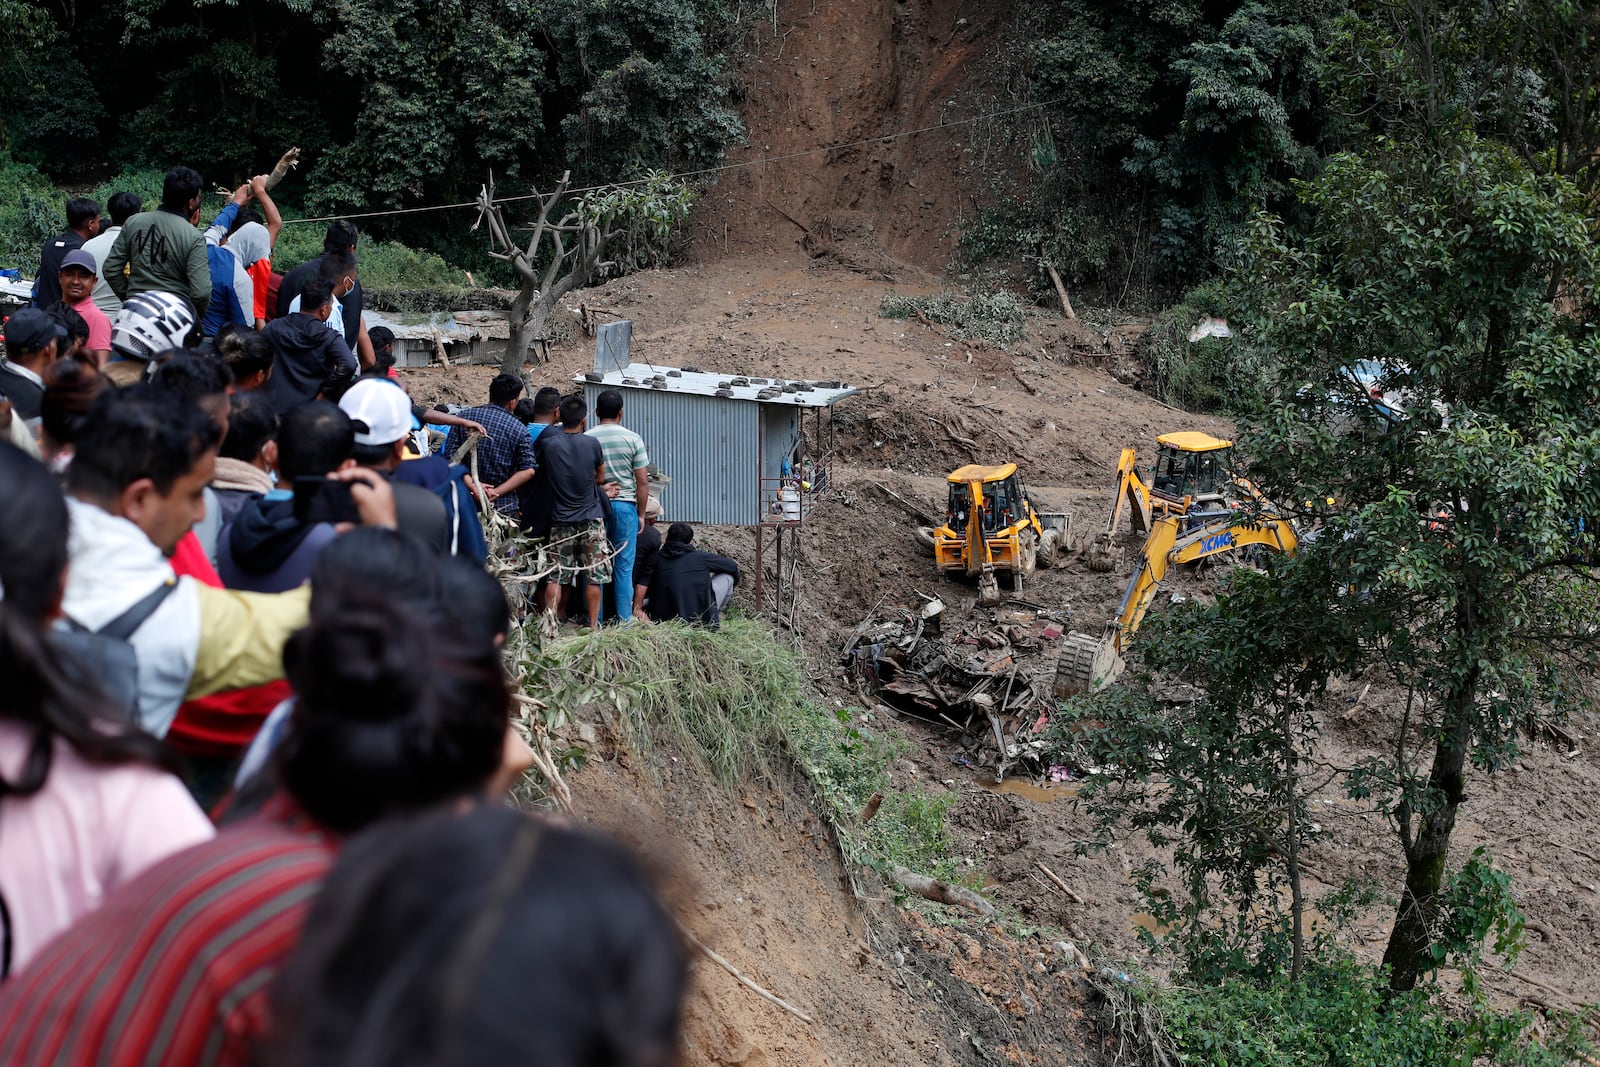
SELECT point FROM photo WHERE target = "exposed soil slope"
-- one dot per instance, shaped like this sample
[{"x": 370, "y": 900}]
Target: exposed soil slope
[
  {"x": 827, "y": 74},
  {"x": 756, "y": 876}
]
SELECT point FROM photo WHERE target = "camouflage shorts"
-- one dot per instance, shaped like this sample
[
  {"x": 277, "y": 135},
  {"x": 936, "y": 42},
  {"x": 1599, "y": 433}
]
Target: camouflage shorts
[{"x": 580, "y": 549}]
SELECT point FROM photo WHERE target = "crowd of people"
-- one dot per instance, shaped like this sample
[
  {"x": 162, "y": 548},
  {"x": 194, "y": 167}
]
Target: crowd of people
[{"x": 256, "y": 727}]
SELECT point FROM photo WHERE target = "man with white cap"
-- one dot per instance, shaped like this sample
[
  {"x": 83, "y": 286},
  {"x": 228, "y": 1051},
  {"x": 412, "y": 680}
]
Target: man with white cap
[{"x": 382, "y": 413}]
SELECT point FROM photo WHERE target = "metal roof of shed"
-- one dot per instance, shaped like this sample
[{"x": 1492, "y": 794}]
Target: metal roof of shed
[
  {"x": 791, "y": 392},
  {"x": 423, "y": 326}
]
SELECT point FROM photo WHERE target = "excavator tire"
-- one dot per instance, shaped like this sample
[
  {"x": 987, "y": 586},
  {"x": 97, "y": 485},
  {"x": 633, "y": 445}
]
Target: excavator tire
[
  {"x": 1050, "y": 549},
  {"x": 1100, "y": 556},
  {"x": 1029, "y": 553},
  {"x": 924, "y": 536},
  {"x": 1086, "y": 663}
]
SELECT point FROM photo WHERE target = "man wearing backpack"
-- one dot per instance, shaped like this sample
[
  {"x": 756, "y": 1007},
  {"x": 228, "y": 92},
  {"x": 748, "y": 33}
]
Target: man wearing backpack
[{"x": 137, "y": 484}]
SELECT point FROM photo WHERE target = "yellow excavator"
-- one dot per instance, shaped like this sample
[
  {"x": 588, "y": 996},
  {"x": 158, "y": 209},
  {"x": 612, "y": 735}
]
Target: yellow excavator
[
  {"x": 1088, "y": 662},
  {"x": 1192, "y": 470},
  {"x": 990, "y": 527}
]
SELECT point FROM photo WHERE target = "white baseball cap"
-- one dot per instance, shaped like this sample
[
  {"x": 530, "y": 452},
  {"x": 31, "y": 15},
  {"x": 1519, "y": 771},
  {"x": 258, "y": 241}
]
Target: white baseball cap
[{"x": 381, "y": 407}]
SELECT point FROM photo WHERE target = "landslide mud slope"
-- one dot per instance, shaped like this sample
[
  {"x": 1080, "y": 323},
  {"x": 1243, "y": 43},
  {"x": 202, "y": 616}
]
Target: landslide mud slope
[{"x": 826, "y": 74}]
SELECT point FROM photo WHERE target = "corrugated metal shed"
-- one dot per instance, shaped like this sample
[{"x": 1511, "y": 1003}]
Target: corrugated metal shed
[
  {"x": 707, "y": 445},
  {"x": 716, "y": 448}
]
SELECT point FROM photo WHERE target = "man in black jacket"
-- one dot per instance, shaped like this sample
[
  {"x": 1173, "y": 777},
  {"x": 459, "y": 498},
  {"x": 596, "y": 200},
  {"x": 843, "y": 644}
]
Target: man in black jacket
[
  {"x": 340, "y": 240},
  {"x": 309, "y": 359},
  {"x": 690, "y": 584},
  {"x": 83, "y": 222}
]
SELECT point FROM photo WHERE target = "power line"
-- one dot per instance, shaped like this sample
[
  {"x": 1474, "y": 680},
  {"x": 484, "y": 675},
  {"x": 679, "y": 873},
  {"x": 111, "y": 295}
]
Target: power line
[{"x": 692, "y": 173}]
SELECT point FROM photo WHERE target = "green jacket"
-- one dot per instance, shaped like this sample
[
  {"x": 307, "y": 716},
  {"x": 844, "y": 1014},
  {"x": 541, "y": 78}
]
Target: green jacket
[{"x": 158, "y": 251}]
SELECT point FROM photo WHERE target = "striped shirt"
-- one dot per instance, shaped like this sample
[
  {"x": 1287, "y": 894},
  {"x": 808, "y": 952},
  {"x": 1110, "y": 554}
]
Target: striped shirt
[
  {"x": 624, "y": 453},
  {"x": 176, "y": 967}
]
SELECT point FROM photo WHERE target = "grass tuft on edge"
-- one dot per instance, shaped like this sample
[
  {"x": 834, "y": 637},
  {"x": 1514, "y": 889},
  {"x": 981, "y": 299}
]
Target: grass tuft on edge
[{"x": 732, "y": 699}]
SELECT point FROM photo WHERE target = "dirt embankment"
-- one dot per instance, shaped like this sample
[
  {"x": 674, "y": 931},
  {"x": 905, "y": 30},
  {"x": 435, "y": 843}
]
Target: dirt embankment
[
  {"x": 842, "y": 73},
  {"x": 755, "y": 873}
]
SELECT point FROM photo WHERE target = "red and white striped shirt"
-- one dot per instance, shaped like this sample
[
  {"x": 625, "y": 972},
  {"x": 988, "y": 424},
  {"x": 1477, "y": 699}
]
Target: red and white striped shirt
[{"x": 175, "y": 968}]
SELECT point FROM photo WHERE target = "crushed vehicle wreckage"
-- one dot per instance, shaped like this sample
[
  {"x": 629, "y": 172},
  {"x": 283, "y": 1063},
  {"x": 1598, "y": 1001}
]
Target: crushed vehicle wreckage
[{"x": 992, "y": 681}]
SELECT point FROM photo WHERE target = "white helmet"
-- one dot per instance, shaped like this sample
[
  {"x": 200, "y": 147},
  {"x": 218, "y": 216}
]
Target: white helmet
[{"x": 151, "y": 323}]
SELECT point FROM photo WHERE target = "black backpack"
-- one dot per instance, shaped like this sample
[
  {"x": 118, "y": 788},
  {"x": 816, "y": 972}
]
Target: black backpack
[{"x": 108, "y": 655}]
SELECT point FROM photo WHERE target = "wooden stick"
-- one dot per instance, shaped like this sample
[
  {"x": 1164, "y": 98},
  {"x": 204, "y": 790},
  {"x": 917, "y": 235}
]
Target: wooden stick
[
  {"x": 940, "y": 891},
  {"x": 1032, "y": 389},
  {"x": 1061, "y": 291},
  {"x": 957, "y": 438},
  {"x": 1064, "y": 887},
  {"x": 287, "y": 162},
  {"x": 875, "y": 801},
  {"x": 927, "y": 517},
  {"x": 740, "y": 976}
]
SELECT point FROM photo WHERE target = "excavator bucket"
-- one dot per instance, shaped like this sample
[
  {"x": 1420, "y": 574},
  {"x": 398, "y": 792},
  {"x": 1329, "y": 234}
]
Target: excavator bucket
[
  {"x": 988, "y": 587},
  {"x": 1101, "y": 553},
  {"x": 1087, "y": 663}
]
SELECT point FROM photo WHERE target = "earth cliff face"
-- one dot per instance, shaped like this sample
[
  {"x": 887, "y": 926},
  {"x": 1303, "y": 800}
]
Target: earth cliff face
[{"x": 911, "y": 78}]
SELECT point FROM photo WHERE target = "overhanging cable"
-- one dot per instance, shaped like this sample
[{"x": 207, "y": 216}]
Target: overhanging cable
[{"x": 689, "y": 173}]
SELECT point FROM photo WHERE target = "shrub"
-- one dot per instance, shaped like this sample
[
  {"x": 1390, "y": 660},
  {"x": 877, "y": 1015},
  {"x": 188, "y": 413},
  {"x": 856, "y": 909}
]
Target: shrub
[
  {"x": 1212, "y": 374},
  {"x": 995, "y": 316},
  {"x": 849, "y": 764},
  {"x": 31, "y": 211},
  {"x": 1341, "y": 1014}
]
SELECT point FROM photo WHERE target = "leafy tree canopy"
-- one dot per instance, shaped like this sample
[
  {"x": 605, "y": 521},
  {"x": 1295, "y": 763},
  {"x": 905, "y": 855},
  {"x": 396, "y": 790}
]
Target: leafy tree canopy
[{"x": 395, "y": 103}]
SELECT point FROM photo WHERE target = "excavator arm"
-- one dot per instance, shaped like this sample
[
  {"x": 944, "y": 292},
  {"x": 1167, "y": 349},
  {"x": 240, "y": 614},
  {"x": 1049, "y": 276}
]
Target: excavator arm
[
  {"x": 1087, "y": 662},
  {"x": 1131, "y": 491},
  {"x": 1166, "y": 548}
]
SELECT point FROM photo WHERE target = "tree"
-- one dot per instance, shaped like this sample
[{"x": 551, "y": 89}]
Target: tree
[
  {"x": 1457, "y": 551},
  {"x": 1163, "y": 128},
  {"x": 1221, "y": 775},
  {"x": 577, "y": 242}
]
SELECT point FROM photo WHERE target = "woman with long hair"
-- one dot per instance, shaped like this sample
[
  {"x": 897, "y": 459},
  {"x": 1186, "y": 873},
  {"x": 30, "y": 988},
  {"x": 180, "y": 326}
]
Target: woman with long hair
[
  {"x": 86, "y": 799},
  {"x": 482, "y": 939}
]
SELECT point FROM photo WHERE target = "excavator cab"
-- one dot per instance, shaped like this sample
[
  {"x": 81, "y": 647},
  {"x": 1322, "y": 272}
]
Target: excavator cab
[
  {"x": 1192, "y": 472},
  {"x": 1192, "y": 468}
]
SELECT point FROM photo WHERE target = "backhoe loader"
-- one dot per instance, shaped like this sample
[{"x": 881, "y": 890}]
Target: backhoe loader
[
  {"x": 1192, "y": 470},
  {"x": 1088, "y": 662},
  {"x": 990, "y": 527}
]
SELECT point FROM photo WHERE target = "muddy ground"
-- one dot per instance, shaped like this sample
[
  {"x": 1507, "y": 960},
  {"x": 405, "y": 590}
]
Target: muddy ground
[{"x": 1054, "y": 405}]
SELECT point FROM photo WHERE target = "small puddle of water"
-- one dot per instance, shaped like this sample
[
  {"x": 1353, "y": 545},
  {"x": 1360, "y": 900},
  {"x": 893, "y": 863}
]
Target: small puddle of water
[{"x": 1039, "y": 794}]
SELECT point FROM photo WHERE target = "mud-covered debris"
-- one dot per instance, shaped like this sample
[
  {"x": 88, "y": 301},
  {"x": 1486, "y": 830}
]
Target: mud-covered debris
[{"x": 989, "y": 679}]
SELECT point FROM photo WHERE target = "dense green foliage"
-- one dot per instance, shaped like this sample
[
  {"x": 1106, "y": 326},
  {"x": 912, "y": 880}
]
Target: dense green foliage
[
  {"x": 1163, "y": 127},
  {"x": 1470, "y": 279},
  {"x": 1449, "y": 251},
  {"x": 395, "y": 104},
  {"x": 1341, "y": 1015}
]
